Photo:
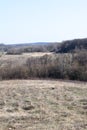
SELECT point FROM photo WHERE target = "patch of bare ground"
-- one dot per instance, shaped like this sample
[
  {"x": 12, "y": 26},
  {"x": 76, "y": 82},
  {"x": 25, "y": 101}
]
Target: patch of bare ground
[{"x": 43, "y": 105}]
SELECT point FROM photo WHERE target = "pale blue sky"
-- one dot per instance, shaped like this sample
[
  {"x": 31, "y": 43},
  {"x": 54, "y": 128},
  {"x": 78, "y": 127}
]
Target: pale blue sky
[{"x": 23, "y": 21}]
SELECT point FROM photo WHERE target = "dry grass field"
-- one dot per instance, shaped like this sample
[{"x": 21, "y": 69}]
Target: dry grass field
[
  {"x": 20, "y": 59},
  {"x": 43, "y": 105},
  {"x": 23, "y": 56}
]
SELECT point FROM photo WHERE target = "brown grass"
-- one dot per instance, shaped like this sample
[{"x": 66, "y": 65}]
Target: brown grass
[
  {"x": 24, "y": 55},
  {"x": 43, "y": 105},
  {"x": 19, "y": 59}
]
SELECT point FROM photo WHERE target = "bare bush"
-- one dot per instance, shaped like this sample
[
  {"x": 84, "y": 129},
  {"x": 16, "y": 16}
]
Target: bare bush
[{"x": 64, "y": 66}]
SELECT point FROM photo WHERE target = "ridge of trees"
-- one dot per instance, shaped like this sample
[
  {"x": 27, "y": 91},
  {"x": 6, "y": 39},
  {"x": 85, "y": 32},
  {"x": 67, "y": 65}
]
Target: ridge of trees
[{"x": 68, "y": 46}]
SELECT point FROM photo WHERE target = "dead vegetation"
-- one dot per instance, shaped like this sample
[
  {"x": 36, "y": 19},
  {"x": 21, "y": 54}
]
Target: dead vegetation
[
  {"x": 43, "y": 104},
  {"x": 71, "y": 66}
]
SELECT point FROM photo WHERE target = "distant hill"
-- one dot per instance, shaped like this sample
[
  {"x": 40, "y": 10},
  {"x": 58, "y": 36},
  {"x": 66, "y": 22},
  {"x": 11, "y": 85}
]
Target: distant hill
[
  {"x": 62, "y": 47},
  {"x": 28, "y": 44}
]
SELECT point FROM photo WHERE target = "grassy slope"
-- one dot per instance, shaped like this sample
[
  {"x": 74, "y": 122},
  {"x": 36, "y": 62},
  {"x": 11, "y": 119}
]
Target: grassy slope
[
  {"x": 43, "y": 105},
  {"x": 4, "y": 59}
]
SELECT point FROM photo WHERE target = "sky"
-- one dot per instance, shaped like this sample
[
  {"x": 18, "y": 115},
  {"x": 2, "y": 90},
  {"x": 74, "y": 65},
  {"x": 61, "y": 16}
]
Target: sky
[{"x": 26, "y": 21}]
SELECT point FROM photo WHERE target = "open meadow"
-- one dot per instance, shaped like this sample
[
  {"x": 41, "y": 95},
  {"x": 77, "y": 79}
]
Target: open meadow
[
  {"x": 21, "y": 58},
  {"x": 43, "y": 105}
]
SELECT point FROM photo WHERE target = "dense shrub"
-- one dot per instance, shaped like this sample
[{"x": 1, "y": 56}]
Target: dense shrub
[
  {"x": 64, "y": 66},
  {"x": 14, "y": 51},
  {"x": 16, "y": 72}
]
